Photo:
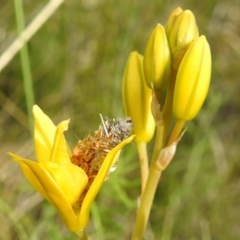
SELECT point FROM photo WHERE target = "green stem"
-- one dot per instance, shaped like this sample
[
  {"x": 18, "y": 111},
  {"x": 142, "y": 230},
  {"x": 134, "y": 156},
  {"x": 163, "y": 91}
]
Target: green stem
[
  {"x": 150, "y": 189},
  {"x": 143, "y": 158},
  {"x": 26, "y": 70}
]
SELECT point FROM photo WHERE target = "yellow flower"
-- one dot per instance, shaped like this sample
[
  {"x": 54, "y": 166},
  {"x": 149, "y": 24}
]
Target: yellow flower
[
  {"x": 192, "y": 81},
  {"x": 137, "y": 99},
  {"x": 54, "y": 175}
]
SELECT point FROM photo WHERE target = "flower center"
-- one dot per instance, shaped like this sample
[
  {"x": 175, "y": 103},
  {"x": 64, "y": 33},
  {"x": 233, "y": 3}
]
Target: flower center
[{"x": 90, "y": 152}]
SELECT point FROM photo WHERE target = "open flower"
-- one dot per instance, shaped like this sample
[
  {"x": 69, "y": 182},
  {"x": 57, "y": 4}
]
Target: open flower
[{"x": 60, "y": 181}]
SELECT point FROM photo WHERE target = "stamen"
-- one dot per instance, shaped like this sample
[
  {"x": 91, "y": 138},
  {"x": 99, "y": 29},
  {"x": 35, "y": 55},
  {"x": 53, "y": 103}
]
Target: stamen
[{"x": 104, "y": 126}]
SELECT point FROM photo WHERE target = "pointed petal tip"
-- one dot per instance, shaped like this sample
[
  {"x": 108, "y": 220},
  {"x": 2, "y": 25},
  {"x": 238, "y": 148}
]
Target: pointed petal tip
[
  {"x": 13, "y": 156},
  {"x": 64, "y": 125}
]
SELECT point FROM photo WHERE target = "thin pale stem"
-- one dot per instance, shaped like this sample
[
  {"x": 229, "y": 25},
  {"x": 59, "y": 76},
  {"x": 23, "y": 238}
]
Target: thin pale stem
[
  {"x": 33, "y": 27},
  {"x": 13, "y": 110},
  {"x": 150, "y": 189},
  {"x": 143, "y": 158}
]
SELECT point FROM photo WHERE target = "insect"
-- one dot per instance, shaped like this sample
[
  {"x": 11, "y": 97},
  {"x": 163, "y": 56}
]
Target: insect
[{"x": 90, "y": 152}]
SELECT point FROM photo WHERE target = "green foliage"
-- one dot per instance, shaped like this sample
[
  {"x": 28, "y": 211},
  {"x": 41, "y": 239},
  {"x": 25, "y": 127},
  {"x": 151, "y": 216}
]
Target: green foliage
[{"x": 77, "y": 62}]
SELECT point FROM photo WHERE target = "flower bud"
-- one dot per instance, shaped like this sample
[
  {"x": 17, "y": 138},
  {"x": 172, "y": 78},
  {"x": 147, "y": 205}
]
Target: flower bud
[
  {"x": 192, "y": 81},
  {"x": 171, "y": 20},
  {"x": 184, "y": 31},
  {"x": 157, "y": 59},
  {"x": 137, "y": 99}
]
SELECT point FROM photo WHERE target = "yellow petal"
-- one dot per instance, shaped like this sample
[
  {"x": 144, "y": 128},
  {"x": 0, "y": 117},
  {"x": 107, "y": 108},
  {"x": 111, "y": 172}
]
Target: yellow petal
[
  {"x": 50, "y": 190},
  {"x": 44, "y": 133},
  {"x": 70, "y": 178},
  {"x": 97, "y": 183},
  {"x": 29, "y": 174},
  {"x": 59, "y": 152}
]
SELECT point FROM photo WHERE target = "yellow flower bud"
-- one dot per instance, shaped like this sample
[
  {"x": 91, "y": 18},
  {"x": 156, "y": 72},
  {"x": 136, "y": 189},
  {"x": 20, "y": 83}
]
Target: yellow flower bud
[
  {"x": 157, "y": 59},
  {"x": 137, "y": 99},
  {"x": 192, "y": 81},
  {"x": 183, "y": 32},
  {"x": 171, "y": 20}
]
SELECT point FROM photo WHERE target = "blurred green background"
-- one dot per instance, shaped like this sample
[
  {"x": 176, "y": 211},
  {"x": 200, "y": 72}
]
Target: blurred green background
[{"x": 77, "y": 61}]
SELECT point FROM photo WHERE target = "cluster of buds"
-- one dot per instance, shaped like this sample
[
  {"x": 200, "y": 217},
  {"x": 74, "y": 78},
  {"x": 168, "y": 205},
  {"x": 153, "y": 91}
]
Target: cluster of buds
[
  {"x": 170, "y": 80},
  {"x": 174, "y": 71}
]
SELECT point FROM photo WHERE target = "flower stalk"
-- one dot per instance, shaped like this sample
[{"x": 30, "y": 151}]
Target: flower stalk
[
  {"x": 185, "y": 88},
  {"x": 150, "y": 189}
]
